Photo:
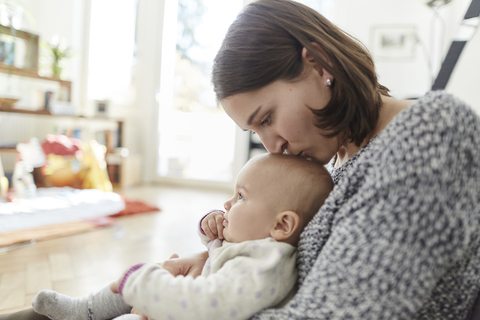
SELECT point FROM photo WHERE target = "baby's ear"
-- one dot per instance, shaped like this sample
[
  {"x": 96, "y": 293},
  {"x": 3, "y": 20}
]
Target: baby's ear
[{"x": 286, "y": 223}]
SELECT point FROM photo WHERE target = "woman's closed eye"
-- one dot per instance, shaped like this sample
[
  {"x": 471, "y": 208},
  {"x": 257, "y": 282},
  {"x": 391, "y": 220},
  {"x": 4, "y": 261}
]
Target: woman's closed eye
[{"x": 267, "y": 120}]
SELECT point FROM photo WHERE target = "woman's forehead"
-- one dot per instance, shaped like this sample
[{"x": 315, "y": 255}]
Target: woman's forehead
[
  {"x": 255, "y": 98},
  {"x": 236, "y": 109},
  {"x": 241, "y": 101}
]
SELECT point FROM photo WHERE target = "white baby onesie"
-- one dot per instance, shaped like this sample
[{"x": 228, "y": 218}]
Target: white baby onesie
[{"x": 238, "y": 280}]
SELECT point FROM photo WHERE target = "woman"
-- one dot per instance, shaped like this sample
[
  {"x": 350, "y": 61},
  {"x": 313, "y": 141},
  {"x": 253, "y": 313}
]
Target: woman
[{"x": 398, "y": 237}]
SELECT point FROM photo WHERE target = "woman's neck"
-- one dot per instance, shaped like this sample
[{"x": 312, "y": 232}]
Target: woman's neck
[{"x": 389, "y": 109}]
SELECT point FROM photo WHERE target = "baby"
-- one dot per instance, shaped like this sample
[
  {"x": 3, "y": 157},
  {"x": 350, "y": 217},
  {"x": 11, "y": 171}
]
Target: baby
[{"x": 252, "y": 253}]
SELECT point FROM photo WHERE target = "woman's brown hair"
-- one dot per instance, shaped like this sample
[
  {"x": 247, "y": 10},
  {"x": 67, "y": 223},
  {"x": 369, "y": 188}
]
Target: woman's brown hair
[{"x": 265, "y": 43}]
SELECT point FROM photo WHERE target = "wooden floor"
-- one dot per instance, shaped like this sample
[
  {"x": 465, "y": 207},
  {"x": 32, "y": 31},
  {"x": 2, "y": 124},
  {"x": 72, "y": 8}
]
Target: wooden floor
[{"x": 78, "y": 264}]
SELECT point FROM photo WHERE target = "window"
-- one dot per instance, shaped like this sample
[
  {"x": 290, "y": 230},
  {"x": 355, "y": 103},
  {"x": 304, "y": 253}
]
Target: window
[{"x": 196, "y": 137}]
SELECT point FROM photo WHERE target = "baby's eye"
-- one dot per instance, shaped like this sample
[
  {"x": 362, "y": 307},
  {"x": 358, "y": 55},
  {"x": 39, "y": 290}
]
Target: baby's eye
[
  {"x": 240, "y": 196},
  {"x": 266, "y": 120}
]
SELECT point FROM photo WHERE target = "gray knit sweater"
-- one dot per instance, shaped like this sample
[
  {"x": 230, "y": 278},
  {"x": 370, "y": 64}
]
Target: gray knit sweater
[{"x": 399, "y": 236}]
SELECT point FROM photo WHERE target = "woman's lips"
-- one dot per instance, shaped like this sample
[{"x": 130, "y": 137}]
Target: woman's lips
[
  {"x": 303, "y": 154},
  {"x": 306, "y": 156}
]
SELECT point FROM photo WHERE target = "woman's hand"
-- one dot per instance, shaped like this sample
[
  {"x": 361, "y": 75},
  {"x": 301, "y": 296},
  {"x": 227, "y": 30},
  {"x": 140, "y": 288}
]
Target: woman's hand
[
  {"x": 212, "y": 225},
  {"x": 189, "y": 265},
  {"x": 114, "y": 285}
]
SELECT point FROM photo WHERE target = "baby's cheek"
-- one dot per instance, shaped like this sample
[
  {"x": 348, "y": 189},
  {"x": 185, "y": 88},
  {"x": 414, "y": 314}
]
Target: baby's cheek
[{"x": 226, "y": 234}]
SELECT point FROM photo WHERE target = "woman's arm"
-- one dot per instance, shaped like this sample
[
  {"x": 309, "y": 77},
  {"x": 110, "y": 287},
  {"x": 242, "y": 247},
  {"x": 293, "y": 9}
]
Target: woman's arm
[{"x": 189, "y": 265}]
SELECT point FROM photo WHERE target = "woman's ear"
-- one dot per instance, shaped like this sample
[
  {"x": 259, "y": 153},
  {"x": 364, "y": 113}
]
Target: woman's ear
[
  {"x": 286, "y": 223},
  {"x": 309, "y": 60}
]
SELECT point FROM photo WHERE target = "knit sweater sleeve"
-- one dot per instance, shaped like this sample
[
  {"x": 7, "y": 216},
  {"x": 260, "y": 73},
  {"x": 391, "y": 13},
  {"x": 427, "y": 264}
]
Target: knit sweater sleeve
[{"x": 402, "y": 218}]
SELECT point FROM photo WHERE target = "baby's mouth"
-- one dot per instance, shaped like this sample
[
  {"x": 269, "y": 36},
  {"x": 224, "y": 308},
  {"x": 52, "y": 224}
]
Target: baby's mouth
[{"x": 225, "y": 222}]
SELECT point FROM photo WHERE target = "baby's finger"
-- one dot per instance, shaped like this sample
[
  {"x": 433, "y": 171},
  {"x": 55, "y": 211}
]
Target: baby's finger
[
  {"x": 209, "y": 233},
  {"x": 205, "y": 228},
  {"x": 219, "y": 219},
  {"x": 212, "y": 224}
]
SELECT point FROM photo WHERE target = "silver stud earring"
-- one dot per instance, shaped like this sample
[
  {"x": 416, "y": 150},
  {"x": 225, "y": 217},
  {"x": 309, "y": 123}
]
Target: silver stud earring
[{"x": 329, "y": 82}]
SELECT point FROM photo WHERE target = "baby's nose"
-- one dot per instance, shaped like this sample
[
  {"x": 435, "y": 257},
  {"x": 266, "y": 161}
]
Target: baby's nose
[{"x": 227, "y": 206}]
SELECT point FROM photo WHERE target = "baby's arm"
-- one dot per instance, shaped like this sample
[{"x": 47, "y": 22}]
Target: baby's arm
[{"x": 240, "y": 288}]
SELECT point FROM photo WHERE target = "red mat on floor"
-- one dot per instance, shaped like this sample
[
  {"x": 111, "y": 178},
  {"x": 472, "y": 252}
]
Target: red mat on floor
[{"x": 134, "y": 207}]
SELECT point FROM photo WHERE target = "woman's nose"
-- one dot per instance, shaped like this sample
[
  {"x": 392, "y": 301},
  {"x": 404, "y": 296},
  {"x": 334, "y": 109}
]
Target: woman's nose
[{"x": 274, "y": 144}]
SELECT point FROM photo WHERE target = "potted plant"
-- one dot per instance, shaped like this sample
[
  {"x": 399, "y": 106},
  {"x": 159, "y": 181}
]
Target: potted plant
[{"x": 58, "y": 52}]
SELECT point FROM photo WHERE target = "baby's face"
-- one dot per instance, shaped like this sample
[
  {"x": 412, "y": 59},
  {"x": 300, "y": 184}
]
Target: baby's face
[{"x": 250, "y": 213}]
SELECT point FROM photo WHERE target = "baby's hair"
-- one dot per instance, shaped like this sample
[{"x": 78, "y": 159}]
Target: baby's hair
[{"x": 307, "y": 185}]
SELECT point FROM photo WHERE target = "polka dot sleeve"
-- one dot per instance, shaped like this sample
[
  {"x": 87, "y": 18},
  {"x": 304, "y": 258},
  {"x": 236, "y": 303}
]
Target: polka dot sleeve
[{"x": 244, "y": 279}]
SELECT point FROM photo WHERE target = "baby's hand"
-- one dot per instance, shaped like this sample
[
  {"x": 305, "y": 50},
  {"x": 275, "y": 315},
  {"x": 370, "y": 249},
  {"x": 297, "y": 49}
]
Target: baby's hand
[{"x": 212, "y": 225}]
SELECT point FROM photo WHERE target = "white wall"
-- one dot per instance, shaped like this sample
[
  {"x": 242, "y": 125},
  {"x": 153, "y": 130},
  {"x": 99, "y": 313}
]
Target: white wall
[
  {"x": 405, "y": 78},
  {"x": 465, "y": 79}
]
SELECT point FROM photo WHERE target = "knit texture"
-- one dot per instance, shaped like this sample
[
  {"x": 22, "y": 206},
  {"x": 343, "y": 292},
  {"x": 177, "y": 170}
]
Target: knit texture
[{"x": 398, "y": 237}]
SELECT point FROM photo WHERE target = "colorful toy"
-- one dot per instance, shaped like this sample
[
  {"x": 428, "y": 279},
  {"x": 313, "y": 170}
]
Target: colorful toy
[
  {"x": 30, "y": 155},
  {"x": 97, "y": 174},
  {"x": 72, "y": 163}
]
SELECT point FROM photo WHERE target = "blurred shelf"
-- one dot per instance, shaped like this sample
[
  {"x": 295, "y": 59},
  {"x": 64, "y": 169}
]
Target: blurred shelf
[
  {"x": 31, "y": 73},
  {"x": 47, "y": 113},
  {"x": 8, "y": 150},
  {"x": 36, "y": 112}
]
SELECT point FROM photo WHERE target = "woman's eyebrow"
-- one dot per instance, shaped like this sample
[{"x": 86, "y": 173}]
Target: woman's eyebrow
[{"x": 250, "y": 119}]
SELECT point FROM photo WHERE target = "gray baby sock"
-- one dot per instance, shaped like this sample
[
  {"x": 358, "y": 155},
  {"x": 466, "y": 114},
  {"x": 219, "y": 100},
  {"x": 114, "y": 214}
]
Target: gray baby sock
[{"x": 102, "y": 305}]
